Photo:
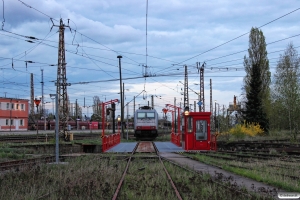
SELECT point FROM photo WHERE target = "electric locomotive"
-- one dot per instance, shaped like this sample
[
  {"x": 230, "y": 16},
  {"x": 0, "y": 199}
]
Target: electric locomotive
[{"x": 146, "y": 123}]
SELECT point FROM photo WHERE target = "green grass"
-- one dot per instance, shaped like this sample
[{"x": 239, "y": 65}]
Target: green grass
[
  {"x": 266, "y": 176},
  {"x": 7, "y": 153}
]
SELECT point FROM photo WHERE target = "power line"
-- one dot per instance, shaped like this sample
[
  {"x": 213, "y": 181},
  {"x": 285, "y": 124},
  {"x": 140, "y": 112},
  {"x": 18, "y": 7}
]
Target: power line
[
  {"x": 241, "y": 52},
  {"x": 239, "y": 36},
  {"x": 247, "y": 49},
  {"x": 37, "y": 10}
]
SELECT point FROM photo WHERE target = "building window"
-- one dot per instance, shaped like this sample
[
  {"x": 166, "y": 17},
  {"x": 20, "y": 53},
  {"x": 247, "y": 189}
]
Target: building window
[
  {"x": 17, "y": 106},
  {"x": 11, "y": 122},
  {"x": 22, "y": 107},
  {"x": 6, "y": 123},
  {"x": 7, "y": 106},
  {"x": 21, "y": 122},
  {"x": 12, "y": 106}
]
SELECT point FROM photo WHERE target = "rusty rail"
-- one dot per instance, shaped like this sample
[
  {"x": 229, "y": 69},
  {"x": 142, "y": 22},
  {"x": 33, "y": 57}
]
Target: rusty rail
[
  {"x": 167, "y": 173},
  {"x": 22, "y": 163},
  {"x": 124, "y": 174}
]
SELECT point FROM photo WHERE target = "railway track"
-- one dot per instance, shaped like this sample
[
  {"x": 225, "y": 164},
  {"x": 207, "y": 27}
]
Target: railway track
[
  {"x": 22, "y": 164},
  {"x": 280, "y": 145},
  {"x": 147, "y": 154},
  {"x": 258, "y": 155},
  {"x": 145, "y": 147},
  {"x": 42, "y": 138},
  {"x": 149, "y": 151},
  {"x": 250, "y": 159}
]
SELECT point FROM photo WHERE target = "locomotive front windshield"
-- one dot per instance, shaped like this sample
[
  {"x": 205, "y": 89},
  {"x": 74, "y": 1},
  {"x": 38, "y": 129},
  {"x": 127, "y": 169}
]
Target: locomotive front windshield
[{"x": 142, "y": 115}]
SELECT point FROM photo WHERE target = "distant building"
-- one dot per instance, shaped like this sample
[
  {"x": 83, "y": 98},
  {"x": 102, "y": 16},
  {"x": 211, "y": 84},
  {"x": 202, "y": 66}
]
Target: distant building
[{"x": 13, "y": 114}]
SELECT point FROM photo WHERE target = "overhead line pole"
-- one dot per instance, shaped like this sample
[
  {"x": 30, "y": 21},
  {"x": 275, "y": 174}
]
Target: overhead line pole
[
  {"x": 121, "y": 95},
  {"x": 43, "y": 99},
  {"x": 61, "y": 83},
  {"x": 211, "y": 104}
]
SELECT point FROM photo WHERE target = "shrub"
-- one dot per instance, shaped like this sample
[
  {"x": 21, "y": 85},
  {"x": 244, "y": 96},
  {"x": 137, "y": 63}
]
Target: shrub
[{"x": 246, "y": 129}]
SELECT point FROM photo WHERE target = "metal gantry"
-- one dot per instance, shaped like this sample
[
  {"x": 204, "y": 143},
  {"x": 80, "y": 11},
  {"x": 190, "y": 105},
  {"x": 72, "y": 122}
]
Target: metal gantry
[
  {"x": 61, "y": 84},
  {"x": 31, "y": 95},
  {"x": 186, "y": 91},
  {"x": 202, "y": 107}
]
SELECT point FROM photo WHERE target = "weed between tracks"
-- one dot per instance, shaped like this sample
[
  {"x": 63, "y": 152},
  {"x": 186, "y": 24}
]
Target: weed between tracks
[
  {"x": 195, "y": 186},
  {"x": 86, "y": 177},
  {"x": 96, "y": 177},
  {"x": 7, "y": 154},
  {"x": 275, "y": 172},
  {"x": 146, "y": 180}
]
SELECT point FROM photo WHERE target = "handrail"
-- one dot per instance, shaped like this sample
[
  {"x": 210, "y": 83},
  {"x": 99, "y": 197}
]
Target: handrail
[{"x": 109, "y": 141}]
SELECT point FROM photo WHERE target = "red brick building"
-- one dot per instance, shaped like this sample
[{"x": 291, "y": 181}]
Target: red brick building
[{"x": 13, "y": 114}]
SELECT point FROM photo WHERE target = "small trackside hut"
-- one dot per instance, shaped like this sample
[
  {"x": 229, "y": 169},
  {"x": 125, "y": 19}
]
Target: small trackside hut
[{"x": 195, "y": 134}]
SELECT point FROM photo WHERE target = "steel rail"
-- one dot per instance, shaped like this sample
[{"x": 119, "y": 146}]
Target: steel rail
[
  {"x": 124, "y": 173},
  {"x": 249, "y": 156},
  {"x": 22, "y": 163},
  {"x": 167, "y": 173},
  {"x": 213, "y": 181}
]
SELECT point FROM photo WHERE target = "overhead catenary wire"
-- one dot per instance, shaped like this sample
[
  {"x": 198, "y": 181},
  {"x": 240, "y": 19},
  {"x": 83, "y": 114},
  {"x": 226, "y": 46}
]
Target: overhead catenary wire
[
  {"x": 240, "y": 36},
  {"x": 109, "y": 72},
  {"x": 37, "y": 10},
  {"x": 180, "y": 63}
]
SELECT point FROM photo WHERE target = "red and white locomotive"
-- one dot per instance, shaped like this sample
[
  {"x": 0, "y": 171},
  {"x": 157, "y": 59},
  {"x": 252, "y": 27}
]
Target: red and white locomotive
[{"x": 146, "y": 123}]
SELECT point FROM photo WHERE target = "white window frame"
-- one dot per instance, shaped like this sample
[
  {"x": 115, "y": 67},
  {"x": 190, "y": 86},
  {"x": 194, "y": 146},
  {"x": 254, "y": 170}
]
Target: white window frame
[
  {"x": 6, "y": 122},
  {"x": 22, "y": 106},
  {"x": 12, "y": 122},
  {"x": 7, "y": 106},
  {"x": 21, "y": 122},
  {"x": 17, "y": 106},
  {"x": 12, "y": 106}
]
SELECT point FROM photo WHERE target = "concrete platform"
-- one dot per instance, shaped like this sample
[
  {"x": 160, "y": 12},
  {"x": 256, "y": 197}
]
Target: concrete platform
[
  {"x": 127, "y": 147},
  {"x": 167, "y": 147},
  {"x": 124, "y": 147}
]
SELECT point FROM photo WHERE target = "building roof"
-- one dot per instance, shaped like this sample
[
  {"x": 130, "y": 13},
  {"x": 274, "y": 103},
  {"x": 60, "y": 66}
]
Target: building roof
[{"x": 14, "y": 99}]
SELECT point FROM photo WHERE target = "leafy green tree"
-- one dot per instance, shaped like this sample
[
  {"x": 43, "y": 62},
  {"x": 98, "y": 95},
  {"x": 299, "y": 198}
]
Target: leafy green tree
[
  {"x": 257, "y": 59},
  {"x": 286, "y": 91},
  {"x": 258, "y": 56},
  {"x": 254, "y": 112}
]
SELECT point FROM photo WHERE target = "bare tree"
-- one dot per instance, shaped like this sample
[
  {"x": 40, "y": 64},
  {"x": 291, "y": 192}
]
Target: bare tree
[{"x": 97, "y": 109}]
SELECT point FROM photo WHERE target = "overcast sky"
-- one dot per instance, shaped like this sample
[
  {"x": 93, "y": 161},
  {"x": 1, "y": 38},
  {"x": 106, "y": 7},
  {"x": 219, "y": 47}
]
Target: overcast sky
[{"x": 179, "y": 32}]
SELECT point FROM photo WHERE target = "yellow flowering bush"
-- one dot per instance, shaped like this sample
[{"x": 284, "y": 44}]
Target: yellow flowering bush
[{"x": 246, "y": 129}]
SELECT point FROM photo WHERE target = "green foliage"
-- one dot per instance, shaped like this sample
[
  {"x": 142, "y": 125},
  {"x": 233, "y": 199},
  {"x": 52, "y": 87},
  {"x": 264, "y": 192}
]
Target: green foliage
[
  {"x": 10, "y": 153},
  {"x": 257, "y": 80},
  {"x": 286, "y": 92},
  {"x": 267, "y": 171},
  {"x": 254, "y": 112}
]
